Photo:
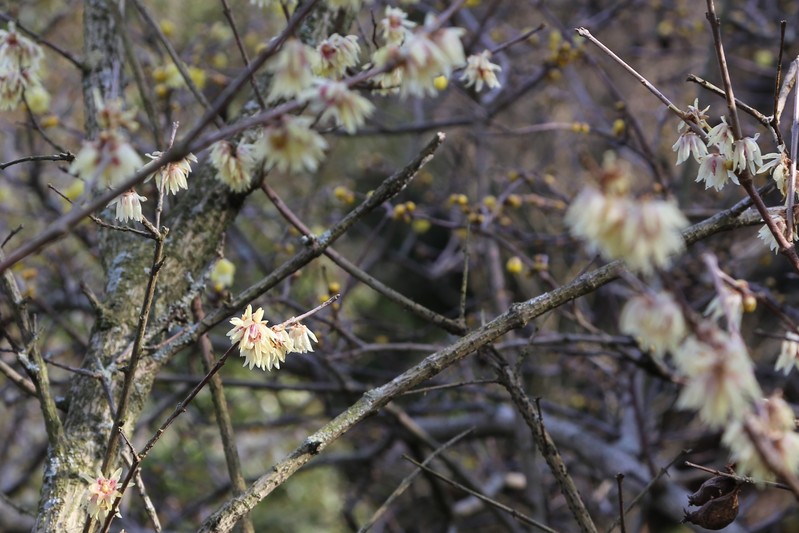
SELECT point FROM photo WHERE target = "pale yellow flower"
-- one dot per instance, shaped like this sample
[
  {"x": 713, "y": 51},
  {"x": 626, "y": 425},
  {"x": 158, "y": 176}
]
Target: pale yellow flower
[
  {"x": 720, "y": 380},
  {"x": 301, "y": 338},
  {"x": 17, "y": 52},
  {"x": 172, "y": 177},
  {"x": 773, "y": 421},
  {"x": 110, "y": 156},
  {"x": 336, "y": 55},
  {"x": 291, "y": 69},
  {"x": 102, "y": 493},
  {"x": 789, "y": 353},
  {"x": 334, "y": 100},
  {"x": 254, "y": 338},
  {"x": 480, "y": 71},
  {"x": 656, "y": 320},
  {"x": 234, "y": 165},
  {"x": 129, "y": 206},
  {"x": 292, "y": 146},
  {"x": 395, "y": 26}
]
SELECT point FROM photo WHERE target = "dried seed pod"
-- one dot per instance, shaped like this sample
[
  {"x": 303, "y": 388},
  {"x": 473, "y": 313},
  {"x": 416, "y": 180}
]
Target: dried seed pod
[
  {"x": 711, "y": 489},
  {"x": 717, "y": 513}
]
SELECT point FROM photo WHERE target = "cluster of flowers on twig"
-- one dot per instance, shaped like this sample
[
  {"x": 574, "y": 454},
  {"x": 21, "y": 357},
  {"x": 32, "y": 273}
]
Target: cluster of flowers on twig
[
  {"x": 722, "y": 158},
  {"x": 717, "y": 373},
  {"x": 266, "y": 347}
]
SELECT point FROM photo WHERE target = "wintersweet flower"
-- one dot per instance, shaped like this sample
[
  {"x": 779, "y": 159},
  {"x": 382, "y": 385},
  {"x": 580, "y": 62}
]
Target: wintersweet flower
[
  {"x": 645, "y": 233},
  {"x": 172, "y": 177},
  {"x": 111, "y": 114},
  {"x": 291, "y": 70},
  {"x": 110, "y": 156},
  {"x": 292, "y": 146},
  {"x": 390, "y": 81},
  {"x": 281, "y": 345},
  {"x": 234, "y": 165},
  {"x": 772, "y": 421},
  {"x": 746, "y": 155},
  {"x": 480, "y": 71},
  {"x": 714, "y": 170},
  {"x": 765, "y": 235},
  {"x": 720, "y": 380},
  {"x": 395, "y": 26},
  {"x": 699, "y": 117},
  {"x": 727, "y": 304},
  {"x": 254, "y": 338},
  {"x": 13, "y": 83},
  {"x": 789, "y": 353},
  {"x": 102, "y": 493},
  {"x": 336, "y": 55},
  {"x": 337, "y": 102},
  {"x": 655, "y": 320},
  {"x": 301, "y": 338},
  {"x": 722, "y": 137},
  {"x": 128, "y": 206},
  {"x": 780, "y": 166},
  {"x": 689, "y": 143},
  {"x": 17, "y": 52}
]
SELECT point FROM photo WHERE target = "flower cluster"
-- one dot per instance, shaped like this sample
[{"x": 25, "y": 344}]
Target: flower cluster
[
  {"x": 421, "y": 56},
  {"x": 266, "y": 347},
  {"x": 19, "y": 67},
  {"x": 772, "y": 422},
  {"x": 102, "y": 493},
  {"x": 644, "y": 232},
  {"x": 730, "y": 157}
]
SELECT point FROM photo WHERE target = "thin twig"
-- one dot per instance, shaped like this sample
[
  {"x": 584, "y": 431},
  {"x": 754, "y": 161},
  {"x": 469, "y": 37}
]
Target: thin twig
[
  {"x": 408, "y": 480},
  {"x": 222, "y": 414},
  {"x": 494, "y": 503},
  {"x": 130, "y": 376},
  {"x": 622, "y": 525},
  {"x": 173, "y": 54},
  {"x": 775, "y": 117},
  {"x": 68, "y": 157},
  {"x": 229, "y": 16},
  {"x": 794, "y": 153},
  {"x": 739, "y": 479}
]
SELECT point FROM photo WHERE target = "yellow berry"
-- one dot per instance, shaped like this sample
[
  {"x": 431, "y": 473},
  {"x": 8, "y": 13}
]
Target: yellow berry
[
  {"x": 440, "y": 83},
  {"x": 50, "y": 121},
  {"x": 334, "y": 287},
  {"x": 161, "y": 90},
  {"x": 420, "y": 225},
  {"x": 619, "y": 127},
  {"x": 410, "y": 206},
  {"x": 513, "y": 200},
  {"x": 750, "y": 303},
  {"x": 490, "y": 201},
  {"x": 514, "y": 265},
  {"x": 167, "y": 27}
]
